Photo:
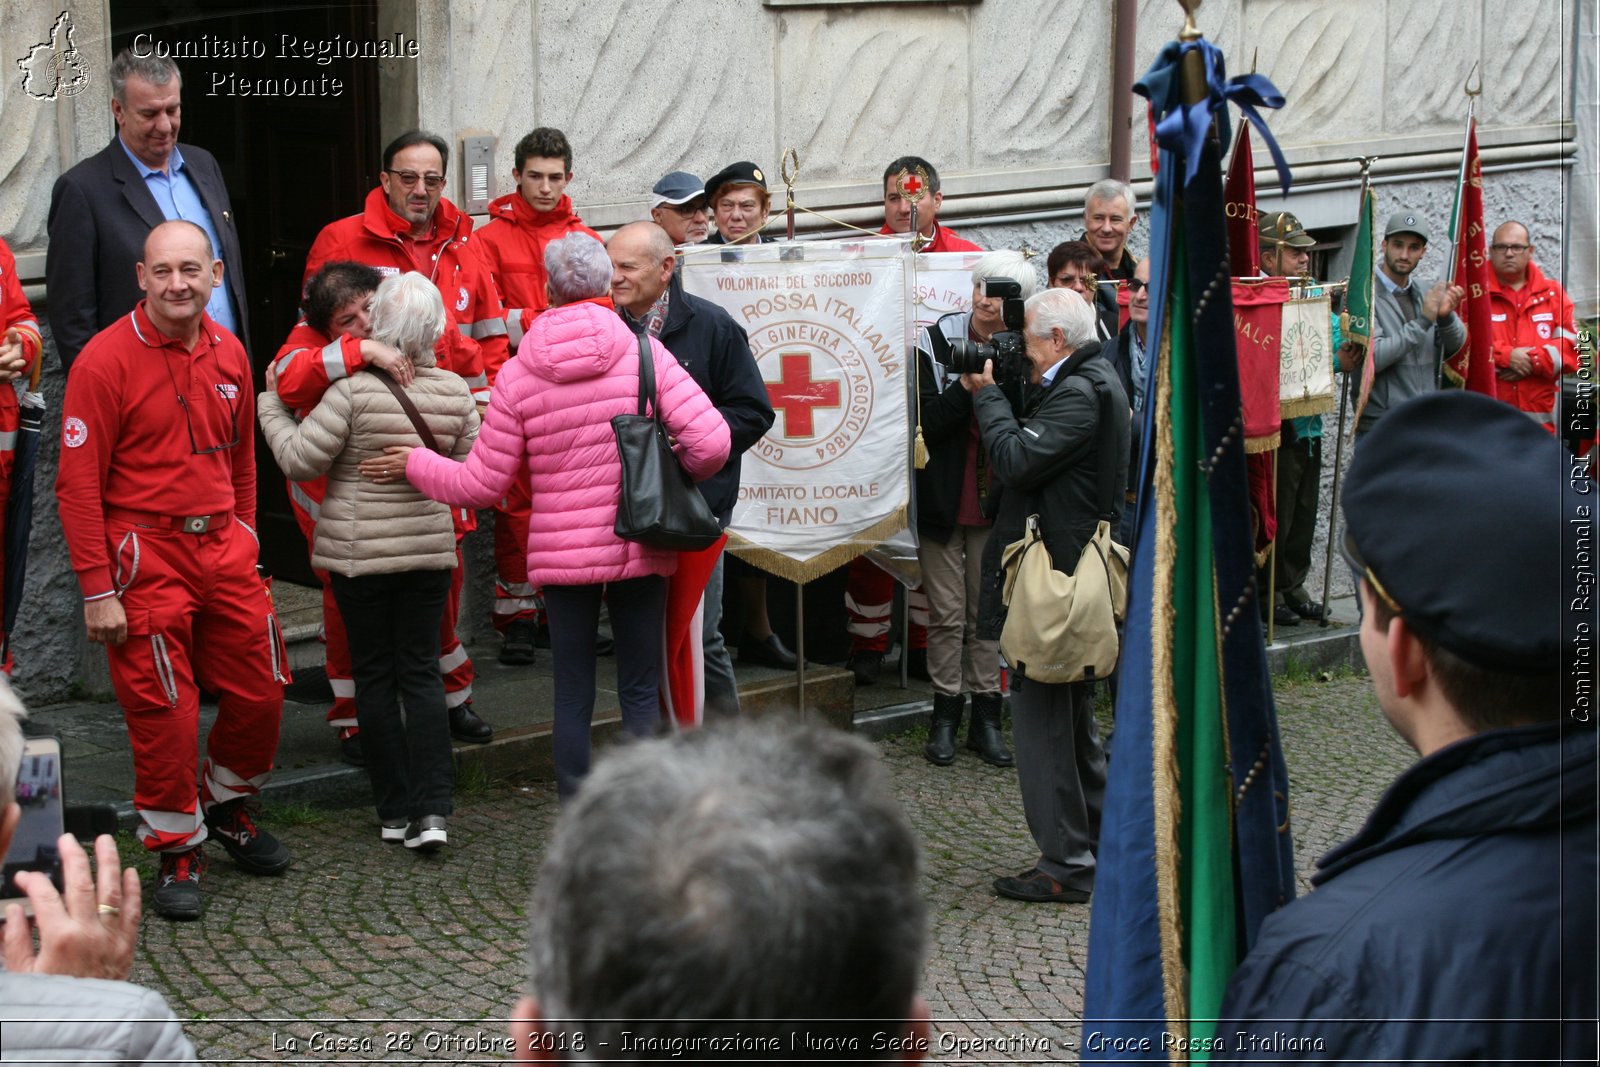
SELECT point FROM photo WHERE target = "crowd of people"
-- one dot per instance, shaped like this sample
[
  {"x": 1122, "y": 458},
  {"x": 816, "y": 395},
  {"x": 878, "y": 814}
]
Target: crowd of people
[{"x": 441, "y": 367}]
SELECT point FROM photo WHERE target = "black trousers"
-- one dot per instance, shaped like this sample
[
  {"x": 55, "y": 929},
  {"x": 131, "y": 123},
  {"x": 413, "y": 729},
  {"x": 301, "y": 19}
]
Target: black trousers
[
  {"x": 1299, "y": 490},
  {"x": 392, "y": 621},
  {"x": 637, "y": 607}
]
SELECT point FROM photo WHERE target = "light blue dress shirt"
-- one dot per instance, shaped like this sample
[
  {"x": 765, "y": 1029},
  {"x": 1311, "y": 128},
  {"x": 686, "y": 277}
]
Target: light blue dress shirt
[{"x": 178, "y": 198}]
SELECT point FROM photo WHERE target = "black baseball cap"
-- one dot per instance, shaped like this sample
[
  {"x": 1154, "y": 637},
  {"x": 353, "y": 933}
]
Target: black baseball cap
[
  {"x": 1454, "y": 513},
  {"x": 741, "y": 173}
]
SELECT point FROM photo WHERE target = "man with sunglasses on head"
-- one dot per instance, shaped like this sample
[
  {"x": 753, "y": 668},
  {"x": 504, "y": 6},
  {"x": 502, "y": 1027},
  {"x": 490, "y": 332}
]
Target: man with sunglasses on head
[
  {"x": 1458, "y": 925},
  {"x": 407, "y": 224},
  {"x": 157, "y": 493},
  {"x": 1530, "y": 318}
]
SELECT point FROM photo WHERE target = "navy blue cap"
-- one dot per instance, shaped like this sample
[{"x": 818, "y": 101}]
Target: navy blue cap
[
  {"x": 742, "y": 173},
  {"x": 1454, "y": 503},
  {"x": 676, "y": 187}
]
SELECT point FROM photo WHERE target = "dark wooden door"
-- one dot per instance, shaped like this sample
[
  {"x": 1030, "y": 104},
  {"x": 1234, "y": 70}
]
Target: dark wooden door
[{"x": 297, "y": 150}]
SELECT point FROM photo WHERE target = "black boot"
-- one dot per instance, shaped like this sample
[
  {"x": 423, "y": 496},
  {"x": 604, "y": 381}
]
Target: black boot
[
  {"x": 984, "y": 736},
  {"x": 942, "y": 730}
]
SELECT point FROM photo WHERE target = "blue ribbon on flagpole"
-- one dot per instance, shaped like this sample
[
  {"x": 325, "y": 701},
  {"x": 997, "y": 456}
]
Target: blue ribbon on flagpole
[{"x": 1182, "y": 127}]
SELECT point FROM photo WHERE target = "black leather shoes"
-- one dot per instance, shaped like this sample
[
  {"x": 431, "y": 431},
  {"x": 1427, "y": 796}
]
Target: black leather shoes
[
  {"x": 769, "y": 653},
  {"x": 466, "y": 726},
  {"x": 516, "y": 649},
  {"x": 1309, "y": 610},
  {"x": 1036, "y": 887},
  {"x": 1284, "y": 615},
  {"x": 983, "y": 735},
  {"x": 865, "y": 665},
  {"x": 942, "y": 727}
]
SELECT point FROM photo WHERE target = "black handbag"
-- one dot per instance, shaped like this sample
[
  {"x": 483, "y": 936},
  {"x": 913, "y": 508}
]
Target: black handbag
[{"x": 659, "y": 505}]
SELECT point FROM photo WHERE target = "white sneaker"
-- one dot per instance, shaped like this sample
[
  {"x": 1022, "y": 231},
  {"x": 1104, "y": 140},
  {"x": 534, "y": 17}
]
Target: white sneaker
[
  {"x": 427, "y": 833},
  {"x": 393, "y": 832}
]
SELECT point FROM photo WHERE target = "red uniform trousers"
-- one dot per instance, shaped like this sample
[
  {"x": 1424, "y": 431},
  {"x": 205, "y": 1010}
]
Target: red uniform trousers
[
  {"x": 868, "y": 600},
  {"x": 515, "y": 599},
  {"x": 198, "y": 615},
  {"x": 335, "y": 645},
  {"x": 454, "y": 666}
]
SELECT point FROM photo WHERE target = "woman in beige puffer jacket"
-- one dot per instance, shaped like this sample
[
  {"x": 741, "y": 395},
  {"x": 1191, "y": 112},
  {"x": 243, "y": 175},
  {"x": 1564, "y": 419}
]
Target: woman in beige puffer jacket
[{"x": 389, "y": 552}]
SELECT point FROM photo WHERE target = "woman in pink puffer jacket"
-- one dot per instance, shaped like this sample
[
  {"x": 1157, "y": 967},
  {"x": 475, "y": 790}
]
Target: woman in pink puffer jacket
[{"x": 551, "y": 409}]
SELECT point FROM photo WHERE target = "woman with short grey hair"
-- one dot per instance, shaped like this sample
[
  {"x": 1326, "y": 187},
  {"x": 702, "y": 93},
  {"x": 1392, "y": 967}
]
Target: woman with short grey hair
[
  {"x": 389, "y": 551},
  {"x": 550, "y": 414}
]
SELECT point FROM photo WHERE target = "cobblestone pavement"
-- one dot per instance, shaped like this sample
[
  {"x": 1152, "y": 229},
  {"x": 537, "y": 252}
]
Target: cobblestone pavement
[{"x": 366, "y": 951}]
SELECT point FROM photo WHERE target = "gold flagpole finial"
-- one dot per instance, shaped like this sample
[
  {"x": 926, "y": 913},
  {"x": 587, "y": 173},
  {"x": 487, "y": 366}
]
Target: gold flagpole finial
[
  {"x": 1467, "y": 87},
  {"x": 1190, "y": 31}
]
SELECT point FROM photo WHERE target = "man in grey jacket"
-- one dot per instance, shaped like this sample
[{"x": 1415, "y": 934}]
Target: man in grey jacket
[
  {"x": 1413, "y": 330},
  {"x": 70, "y": 1000}
]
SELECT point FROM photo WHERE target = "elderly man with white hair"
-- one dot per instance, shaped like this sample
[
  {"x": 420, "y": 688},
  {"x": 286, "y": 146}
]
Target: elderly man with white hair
[
  {"x": 1046, "y": 458},
  {"x": 389, "y": 551},
  {"x": 953, "y": 524}
]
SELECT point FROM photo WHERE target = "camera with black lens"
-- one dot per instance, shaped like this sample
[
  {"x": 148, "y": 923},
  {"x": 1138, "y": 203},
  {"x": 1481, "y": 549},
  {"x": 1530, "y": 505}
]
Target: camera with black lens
[{"x": 1006, "y": 348}]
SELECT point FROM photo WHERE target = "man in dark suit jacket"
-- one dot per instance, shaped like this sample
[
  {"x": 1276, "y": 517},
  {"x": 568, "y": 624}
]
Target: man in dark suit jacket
[{"x": 102, "y": 209}]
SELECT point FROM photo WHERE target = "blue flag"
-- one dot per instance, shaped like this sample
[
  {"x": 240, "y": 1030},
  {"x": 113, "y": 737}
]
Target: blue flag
[{"x": 1194, "y": 844}]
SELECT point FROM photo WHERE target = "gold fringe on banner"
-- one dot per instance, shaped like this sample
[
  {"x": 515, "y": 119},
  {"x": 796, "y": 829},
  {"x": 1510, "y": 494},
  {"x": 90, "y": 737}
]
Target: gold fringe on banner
[
  {"x": 1300, "y": 407},
  {"x": 1163, "y": 705},
  {"x": 1264, "y": 443},
  {"x": 794, "y": 570}
]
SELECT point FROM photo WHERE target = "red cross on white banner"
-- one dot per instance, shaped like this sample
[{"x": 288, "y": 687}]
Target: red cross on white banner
[{"x": 797, "y": 395}]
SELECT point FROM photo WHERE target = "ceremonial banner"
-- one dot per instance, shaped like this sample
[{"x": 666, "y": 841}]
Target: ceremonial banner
[
  {"x": 1194, "y": 843},
  {"x": 1258, "y": 331},
  {"x": 1239, "y": 207},
  {"x": 1305, "y": 367},
  {"x": 827, "y": 321},
  {"x": 1355, "y": 321},
  {"x": 943, "y": 286},
  {"x": 1472, "y": 365}
]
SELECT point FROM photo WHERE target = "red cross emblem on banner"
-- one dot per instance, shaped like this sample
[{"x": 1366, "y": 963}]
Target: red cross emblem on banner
[
  {"x": 797, "y": 395},
  {"x": 912, "y": 184}
]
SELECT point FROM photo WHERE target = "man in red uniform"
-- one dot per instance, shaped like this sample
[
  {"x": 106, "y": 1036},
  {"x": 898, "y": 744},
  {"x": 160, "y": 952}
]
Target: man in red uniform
[
  {"x": 408, "y": 225},
  {"x": 157, "y": 492},
  {"x": 1534, "y": 336},
  {"x": 897, "y": 208},
  {"x": 520, "y": 225},
  {"x": 328, "y": 343},
  {"x": 20, "y": 347}
]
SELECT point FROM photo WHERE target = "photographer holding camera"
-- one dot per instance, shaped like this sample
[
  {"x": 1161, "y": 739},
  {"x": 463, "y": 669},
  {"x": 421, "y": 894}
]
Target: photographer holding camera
[{"x": 1046, "y": 460}]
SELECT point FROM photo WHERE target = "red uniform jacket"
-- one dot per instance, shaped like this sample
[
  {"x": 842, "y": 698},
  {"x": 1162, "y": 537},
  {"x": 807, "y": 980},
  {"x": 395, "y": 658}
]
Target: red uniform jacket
[
  {"x": 15, "y": 314},
  {"x": 307, "y": 364},
  {"x": 944, "y": 240},
  {"x": 471, "y": 299},
  {"x": 1538, "y": 317},
  {"x": 512, "y": 242},
  {"x": 128, "y": 442}
]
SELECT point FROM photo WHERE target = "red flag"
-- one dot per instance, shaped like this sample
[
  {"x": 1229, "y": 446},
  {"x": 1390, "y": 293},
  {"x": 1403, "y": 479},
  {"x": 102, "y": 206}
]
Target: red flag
[
  {"x": 1239, "y": 209},
  {"x": 1472, "y": 366},
  {"x": 683, "y": 689},
  {"x": 1257, "y": 327}
]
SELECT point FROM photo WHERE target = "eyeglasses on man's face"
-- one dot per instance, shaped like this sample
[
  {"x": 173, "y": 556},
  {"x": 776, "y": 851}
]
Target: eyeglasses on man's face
[
  {"x": 409, "y": 178},
  {"x": 1515, "y": 250}
]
